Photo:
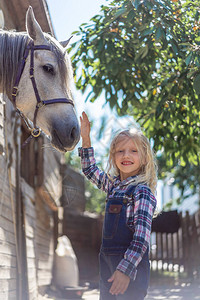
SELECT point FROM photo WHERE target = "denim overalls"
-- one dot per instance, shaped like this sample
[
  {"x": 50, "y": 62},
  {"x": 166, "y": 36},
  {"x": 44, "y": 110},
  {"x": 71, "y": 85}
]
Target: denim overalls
[{"x": 115, "y": 241}]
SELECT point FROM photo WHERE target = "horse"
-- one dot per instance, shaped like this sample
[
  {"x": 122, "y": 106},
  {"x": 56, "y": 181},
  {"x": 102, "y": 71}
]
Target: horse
[{"x": 35, "y": 74}]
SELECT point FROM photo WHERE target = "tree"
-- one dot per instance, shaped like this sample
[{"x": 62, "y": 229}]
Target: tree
[{"x": 145, "y": 56}]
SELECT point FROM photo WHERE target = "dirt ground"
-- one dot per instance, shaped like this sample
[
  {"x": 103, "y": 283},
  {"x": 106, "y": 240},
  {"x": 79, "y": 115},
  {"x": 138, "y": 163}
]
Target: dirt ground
[
  {"x": 182, "y": 291},
  {"x": 159, "y": 290}
]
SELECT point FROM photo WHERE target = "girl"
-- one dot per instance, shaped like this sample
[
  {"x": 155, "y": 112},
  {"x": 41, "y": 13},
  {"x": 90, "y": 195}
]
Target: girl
[{"x": 130, "y": 205}]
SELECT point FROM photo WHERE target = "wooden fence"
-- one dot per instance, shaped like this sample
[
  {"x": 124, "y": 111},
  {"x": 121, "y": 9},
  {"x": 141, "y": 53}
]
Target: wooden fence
[{"x": 178, "y": 251}]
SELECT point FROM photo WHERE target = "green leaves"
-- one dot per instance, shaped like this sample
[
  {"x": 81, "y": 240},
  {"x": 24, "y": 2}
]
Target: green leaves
[
  {"x": 136, "y": 3},
  {"x": 149, "y": 51},
  {"x": 197, "y": 84},
  {"x": 159, "y": 33},
  {"x": 189, "y": 59}
]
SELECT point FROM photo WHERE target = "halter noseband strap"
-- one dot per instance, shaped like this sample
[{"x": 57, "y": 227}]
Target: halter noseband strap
[{"x": 35, "y": 131}]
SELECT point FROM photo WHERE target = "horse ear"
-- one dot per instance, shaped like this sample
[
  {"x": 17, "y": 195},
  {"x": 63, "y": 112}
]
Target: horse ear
[
  {"x": 33, "y": 28},
  {"x": 65, "y": 43}
]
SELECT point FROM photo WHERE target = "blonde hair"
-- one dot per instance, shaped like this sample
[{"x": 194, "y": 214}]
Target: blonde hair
[{"x": 148, "y": 169}]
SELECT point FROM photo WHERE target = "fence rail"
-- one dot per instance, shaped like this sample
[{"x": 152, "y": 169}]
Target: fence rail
[{"x": 178, "y": 251}]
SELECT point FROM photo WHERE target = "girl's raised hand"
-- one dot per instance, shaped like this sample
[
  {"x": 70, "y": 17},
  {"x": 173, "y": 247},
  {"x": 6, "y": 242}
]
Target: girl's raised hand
[{"x": 85, "y": 130}]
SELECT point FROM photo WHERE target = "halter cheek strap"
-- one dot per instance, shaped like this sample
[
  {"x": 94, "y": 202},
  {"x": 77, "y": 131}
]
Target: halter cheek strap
[{"x": 35, "y": 131}]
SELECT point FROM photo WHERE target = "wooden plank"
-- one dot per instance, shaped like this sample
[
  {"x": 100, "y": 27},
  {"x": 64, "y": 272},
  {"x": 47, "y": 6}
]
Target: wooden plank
[
  {"x": 30, "y": 252},
  {"x": 44, "y": 278},
  {"x": 46, "y": 250},
  {"x": 52, "y": 178},
  {"x": 30, "y": 230},
  {"x": 7, "y": 260},
  {"x": 6, "y": 236},
  {"x": 8, "y": 273},
  {"x": 2, "y": 140},
  {"x": 11, "y": 295},
  {"x": 32, "y": 166},
  {"x": 187, "y": 242},
  {"x": 181, "y": 248},
  {"x": 6, "y": 248},
  {"x": 194, "y": 244},
  {"x": 45, "y": 273},
  {"x": 7, "y": 212},
  {"x": 27, "y": 189},
  {"x": 44, "y": 281},
  {"x": 1, "y": 122},
  {"x": 44, "y": 226},
  {"x": 6, "y": 225},
  {"x": 45, "y": 262},
  {"x": 7, "y": 285},
  {"x": 51, "y": 159},
  {"x": 32, "y": 262},
  {"x": 40, "y": 162},
  {"x": 172, "y": 250},
  {"x": 44, "y": 256},
  {"x": 32, "y": 274},
  {"x": 30, "y": 207},
  {"x": 54, "y": 187},
  {"x": 44, "y": 240},
  {"x": 4, "y": 191},
  {"x": 33, "y": 295},
  {"x": 32, "y": 284},
  {"x": 178, "y": 247}
]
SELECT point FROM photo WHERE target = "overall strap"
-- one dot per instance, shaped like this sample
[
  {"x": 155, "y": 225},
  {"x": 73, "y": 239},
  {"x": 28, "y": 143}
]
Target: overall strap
[{"x": 131, "y": 189}]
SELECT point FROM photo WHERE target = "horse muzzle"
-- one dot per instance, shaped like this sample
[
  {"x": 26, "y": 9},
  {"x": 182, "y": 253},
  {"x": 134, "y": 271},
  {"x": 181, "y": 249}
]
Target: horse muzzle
[{"x": 66, "y": 136}]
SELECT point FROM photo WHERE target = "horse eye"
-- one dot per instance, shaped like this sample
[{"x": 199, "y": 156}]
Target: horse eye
[{"x": 49, "y": 69}]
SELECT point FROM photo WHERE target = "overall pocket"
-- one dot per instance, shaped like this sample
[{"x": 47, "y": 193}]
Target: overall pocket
[{"x": 111, "y": 220}]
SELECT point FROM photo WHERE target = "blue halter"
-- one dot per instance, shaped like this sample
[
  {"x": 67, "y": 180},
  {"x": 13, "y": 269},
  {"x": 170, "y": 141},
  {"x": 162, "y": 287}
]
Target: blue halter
[{"x": 35, "y": 131}]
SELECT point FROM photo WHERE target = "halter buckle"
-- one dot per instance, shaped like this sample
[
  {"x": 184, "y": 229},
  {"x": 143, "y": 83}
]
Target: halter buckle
[
  {"x": 35, "y": 132},
  {"x": 15, "y": 90},
  {"x": 40, "y": 104}
]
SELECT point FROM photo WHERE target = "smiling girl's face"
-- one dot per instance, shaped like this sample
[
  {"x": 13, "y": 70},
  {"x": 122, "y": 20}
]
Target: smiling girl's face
[{"x": 127, "y": 158}]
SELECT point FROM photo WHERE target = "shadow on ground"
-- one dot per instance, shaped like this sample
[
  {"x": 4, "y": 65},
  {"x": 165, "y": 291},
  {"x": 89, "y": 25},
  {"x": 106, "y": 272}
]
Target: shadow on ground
[
  {"x": 166, "y": 287},
  {"x": 161, "y": 288}
]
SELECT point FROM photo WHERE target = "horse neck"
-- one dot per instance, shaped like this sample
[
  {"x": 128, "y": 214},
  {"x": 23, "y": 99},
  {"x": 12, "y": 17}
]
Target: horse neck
[{"x": 12, "y": 47}]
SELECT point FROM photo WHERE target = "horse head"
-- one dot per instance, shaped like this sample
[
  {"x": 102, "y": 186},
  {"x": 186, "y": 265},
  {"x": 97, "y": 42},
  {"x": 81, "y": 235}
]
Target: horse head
[{"x": 52, "y": 75}]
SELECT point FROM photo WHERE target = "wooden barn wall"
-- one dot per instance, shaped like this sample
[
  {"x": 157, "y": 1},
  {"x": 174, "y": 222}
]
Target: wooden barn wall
[
  {"x": 39, "y": 219},
  {"x": 7, "y": 210},
  {"x": 30, "y": 229},
  {"x": 84, "y": 232},
  {"x": 7, "y": 240},
  {"x": 2, "y": 141},
  {"x": 38, "y": 216},
  {"x": 44, "y": 243},
  {"x": 39, "y": 241},
  {"x": 8, "y": 19},
  {"x": 73, "y": 194},
  {"x": 52, "y": 178}
]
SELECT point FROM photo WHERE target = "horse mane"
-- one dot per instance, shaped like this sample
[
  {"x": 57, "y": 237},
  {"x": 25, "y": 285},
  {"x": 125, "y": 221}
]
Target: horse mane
[{"x": 12, "y": 47}]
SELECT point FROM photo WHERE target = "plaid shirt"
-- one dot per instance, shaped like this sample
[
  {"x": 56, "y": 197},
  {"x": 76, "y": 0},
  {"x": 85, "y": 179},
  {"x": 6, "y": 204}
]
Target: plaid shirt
[{"x": 140, "y": 209}]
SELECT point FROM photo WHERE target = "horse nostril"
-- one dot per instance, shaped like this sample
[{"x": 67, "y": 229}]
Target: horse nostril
[{"x": 73, "y": 134}]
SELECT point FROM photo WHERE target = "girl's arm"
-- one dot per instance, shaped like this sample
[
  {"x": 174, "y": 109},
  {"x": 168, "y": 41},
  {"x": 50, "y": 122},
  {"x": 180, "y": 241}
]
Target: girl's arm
[
  {"x": 89, "y": 167},
  {"x": 140, "y": 220}
]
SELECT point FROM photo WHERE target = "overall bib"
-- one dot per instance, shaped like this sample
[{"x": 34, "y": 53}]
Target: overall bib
[{"x": 116, "y": 239}]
